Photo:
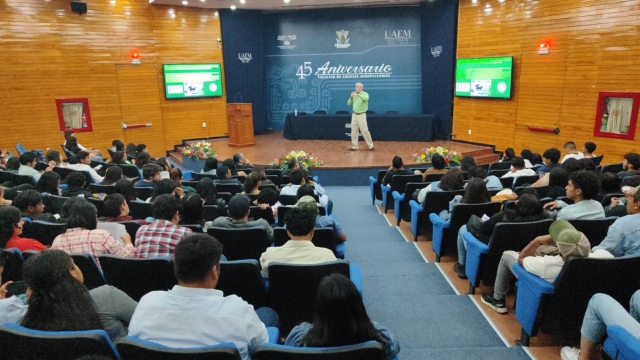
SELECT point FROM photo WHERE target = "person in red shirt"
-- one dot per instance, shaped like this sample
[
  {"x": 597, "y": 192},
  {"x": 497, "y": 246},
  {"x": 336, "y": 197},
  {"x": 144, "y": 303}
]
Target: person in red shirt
[{"x": 10, "y": 230}]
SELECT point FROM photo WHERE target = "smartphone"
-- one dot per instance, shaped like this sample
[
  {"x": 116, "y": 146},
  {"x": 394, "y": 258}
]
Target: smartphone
[{"x": 16, "y": 288}]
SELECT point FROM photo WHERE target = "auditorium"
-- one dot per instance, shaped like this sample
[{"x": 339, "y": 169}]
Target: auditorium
[{"x": 314, "y": 179}]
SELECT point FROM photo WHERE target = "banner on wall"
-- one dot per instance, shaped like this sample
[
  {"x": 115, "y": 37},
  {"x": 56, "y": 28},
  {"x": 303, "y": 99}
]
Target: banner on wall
[{"x": 313, "y": 60}]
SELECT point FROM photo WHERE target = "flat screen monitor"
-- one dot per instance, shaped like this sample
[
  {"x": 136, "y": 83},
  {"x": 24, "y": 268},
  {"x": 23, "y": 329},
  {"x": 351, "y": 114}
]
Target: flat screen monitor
[
  {"x": 484, "y": 77},
  {"x": 182, "y": 81}
]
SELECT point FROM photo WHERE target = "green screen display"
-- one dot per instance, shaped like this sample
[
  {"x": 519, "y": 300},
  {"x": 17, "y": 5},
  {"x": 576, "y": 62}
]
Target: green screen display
[
  {"x": 192, "y": 80},
  {"x": 484, "y": 77}
]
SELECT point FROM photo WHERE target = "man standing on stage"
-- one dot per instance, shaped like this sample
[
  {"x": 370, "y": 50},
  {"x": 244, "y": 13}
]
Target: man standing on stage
[{"x": 360, "y": 102}]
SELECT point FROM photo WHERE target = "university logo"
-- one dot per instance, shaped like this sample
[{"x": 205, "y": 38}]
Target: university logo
[
  {"x": 342, "y": 42},
  {"x": 397, "y": 37},
  {"x": 436, "y": 51},
  {"x": 286, "y": 41},
  {"x": 245, "y": 58}
]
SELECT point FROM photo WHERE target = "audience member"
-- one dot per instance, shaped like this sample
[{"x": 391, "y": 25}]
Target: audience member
[
  {"x": 224, "y": 177},
  {"x": 27, "y": 166},
  {"x": 299, "y": 250},
  {"x": 630, "y": 165},
  {"x": 570, "y": 243},
  {"x": 125, "y": 187},
  {"x": 112, "y": 175},
  {"x": 166, "y": 167},
  {"x": 451, "y": 180},
  {"x": 623, "y": 236},
  {"x": 509, "y": 154},
  {"x": 437, "y": 167},
  {"x": 150, "y": 176},
  {"x": 141, "y": 148},
  {"x": 207, "y": 191},
  {"x": 297, "y": 179},
  {"x": 71, "y": 143},
  {"x": 210, "y": 166},
  {"x": 238, "y": 210},
  {"x": 49, "y": 183},
  {"x": 52, "y": 158},
  {"x": 611, "y": 183},
  {"x": 536, "y": 159},
  {"x": 84, "y": 162},
  {"x": 142, "y": 159},
  {"x": 493, "y": 182},
  {"x": 11, "y": 224},
  {"x": 259, "y": 170},
  {"x": 159, "y": 238},
  {"x": 176, "y": 176},
  {"x": 242, "y": 163},
  {"x": 13, "y": 164},
  {"x": 526, "y": 154},
  {"x": 252, "y": 184},
  {"x": 119, "y": 158},
  {"x": 76, "y": 182},
  {"x": 341, "y": 319},
  {"x": 164, "y": 187},
  {"x": 570, "y": 150},
  {"x": 518, "y": 168},
  {"x": 232, "y": 167},
  {"x": 309, "y": 204},
  {"x": 617, "y": 207},
  {"x": 550, "y": 158},
  {"x": 117, "y": 145},
  {"x": 130, "y": 150},
  {"x": 116, "y": 209},
  {"x": 292, "y": 164},
  {"x": 589, "y": 148},
  {"x": 589, "y": 165},
  {"x": 191, "y": 210},
  {"x": 476, "y": 193},
  {"x": 268, "y": 197},
  {"x": 558, "y": 181},
  {"x": 582, "y": 187},
  {"x": 396, "y": 168},
  {"x": 467, "y": 163},
  {"x": 30, "y": 204}
]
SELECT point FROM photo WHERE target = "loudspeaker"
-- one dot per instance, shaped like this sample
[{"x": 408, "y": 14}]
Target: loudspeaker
[{"x": 79, "y": 7}]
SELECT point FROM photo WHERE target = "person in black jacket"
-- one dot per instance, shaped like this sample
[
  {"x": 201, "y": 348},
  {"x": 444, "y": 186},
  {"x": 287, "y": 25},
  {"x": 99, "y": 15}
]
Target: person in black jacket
[{"x": 396, "y": 168}]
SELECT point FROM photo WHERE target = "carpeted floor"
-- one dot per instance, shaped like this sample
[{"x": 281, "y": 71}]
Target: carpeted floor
[{"x": 409, "y": 296}]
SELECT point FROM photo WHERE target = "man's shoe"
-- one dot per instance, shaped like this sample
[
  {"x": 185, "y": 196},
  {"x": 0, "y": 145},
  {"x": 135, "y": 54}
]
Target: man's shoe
[
  {"x": 500, "y": 306},
  {"x": 371, "y": 149},
  {"x": 353, "y": 149},
  {"x": 569, "y": 353},
  {"x": 459, "y": 270}
]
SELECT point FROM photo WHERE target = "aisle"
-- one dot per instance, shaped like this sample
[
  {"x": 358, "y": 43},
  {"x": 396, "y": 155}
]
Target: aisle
[{"x": 408, "y": 295}]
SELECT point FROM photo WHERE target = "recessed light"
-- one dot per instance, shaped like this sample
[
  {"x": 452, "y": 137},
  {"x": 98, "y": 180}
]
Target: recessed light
[
  {"x": 286, "y": 1},
  {"x": 215, "y": 13},
  {"x": 185, "y": 3},
  {"x": 233, "y": 7},
  {"x": 241, "y": 1}
]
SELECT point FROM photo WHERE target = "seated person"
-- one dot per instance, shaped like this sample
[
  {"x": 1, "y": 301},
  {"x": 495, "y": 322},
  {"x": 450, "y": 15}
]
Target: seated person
[
  {"x": 603, "y": 311},
  {"x": 264, "y": 180},
  {"x": 518, "y": 168},
  {"x": 224, "y": 177},
  {"x": 125, "y": 187},
  {"x": 166, "y": 167},
  {"x": 191, "y": 213},
  {"x": 550, "y": 157},
  {"x": 117, "y": 145},
  {"x": 232, "y": 167},
  {"x": 451, "y": 180},
  {"x": 308, "y": 203},
  {"x": 238, "y": 210},
  {"x": 71, "y": 143},
  {"x": 75, "y": 185},
  {"x": 11, "y": 224},
  {"x": 164, "y": 187},
  {"x": 49, "y": 183},
  {"x": 142, "y": 159},
  {"x": 52, "y": 158},
  {"x": 159, "y": 238},
  {"x": 292, "y": 164},
  {"x": 475, "y": 193},
  {"x": 30, "y": 204},
  {"x": 467, "y": 162},
  {"x": 437, "y": 167},
  {"x": 84, "y": 162},
  {"x": 13, "y": 164},
  {"x": 558, "y": 181},
  {"x": 193, "y": 312},
  {"x": 151, "y": 175},
  {"x": 142, "y": 148},
  {"x": 617, "y": 207},
  {"x": 207, "y": 191},
  {"x": 492, "y": 181},
  {"x": 396, "y": 168},
  {"x": 572, "y": 153},
  {"x": 252, "y": 184},
  {"x": 623, "y": 236},
  {"x": 119, "y": 158},
  {"x": 299, "y": 250},
  {"x": 589, "y": 148},
  {"x": 112, "y": 175},
  {"x": 210, "y": 166},
  {"x": 268, "y": 197},
  {"x": 28, "y": 163},
  {"x": 242, "y": 163},
  {"x": 116, "y": 209},
  {"x": 175, "y": 175},
  {"x": 526, "y": 155},
  {"x": 341, "y": 319},
  {"x": 509, "y": 155},
  {"x": 297, "y": 178},
  {"x": 569, "y": 243},
  {"x": 583, "y": 186},
  {"x": 630, "y": 165}
]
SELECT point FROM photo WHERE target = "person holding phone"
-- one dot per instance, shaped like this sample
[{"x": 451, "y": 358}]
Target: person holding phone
[{"x": 10, "y": 230}]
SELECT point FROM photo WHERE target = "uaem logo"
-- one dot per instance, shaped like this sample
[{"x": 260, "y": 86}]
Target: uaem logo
[
  {"x": 286, "y": 41},
  {"x": 397, "y": 37},
  {"x": 342, "y": 42}
]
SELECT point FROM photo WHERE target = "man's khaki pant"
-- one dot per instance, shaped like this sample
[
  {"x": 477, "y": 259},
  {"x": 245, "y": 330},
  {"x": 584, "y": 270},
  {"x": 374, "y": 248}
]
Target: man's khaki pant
[{"x": 359, "y": 122}]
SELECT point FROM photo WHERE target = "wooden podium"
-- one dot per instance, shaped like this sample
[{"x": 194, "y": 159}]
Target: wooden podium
[{"x": 240, "y": 123}]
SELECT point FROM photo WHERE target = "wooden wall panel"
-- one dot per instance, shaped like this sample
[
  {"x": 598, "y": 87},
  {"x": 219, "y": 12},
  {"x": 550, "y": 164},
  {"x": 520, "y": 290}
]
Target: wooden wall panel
[
  {"x": 48, "y": 52},
  {"x": 594, "y": 48}
]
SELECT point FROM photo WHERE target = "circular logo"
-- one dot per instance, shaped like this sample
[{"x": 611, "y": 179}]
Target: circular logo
[
  {"x": 502, "y": 87},
  {"x": 213, "y": 87}
]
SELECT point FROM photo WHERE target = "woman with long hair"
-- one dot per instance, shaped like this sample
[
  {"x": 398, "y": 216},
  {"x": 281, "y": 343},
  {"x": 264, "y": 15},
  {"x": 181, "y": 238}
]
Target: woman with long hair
[
  {"x": 191, "y": 213},
  {"x": 176, "y": 176},
  {"x": 112, "y": 176},
  {"x": 252, "y": 184},
  {"x": 558, "y": 180},
  {"x": 125, "y": 187},
  {"x": 476, "y": 193},
  {"x": 119, "y": 158},
  {"x": 11, "y": 224},
  {"x": 49, "y": 182},
  {"x": 210, "y": 166},
  {"x": 142, "y": 159},
  {"x": 207, "y": 191},
  {"x": 467, "y": 162},
  {"x": 451, "y": 180},
  {"x": 52, "y": 158},
  {"x": 341, "y": 319}
]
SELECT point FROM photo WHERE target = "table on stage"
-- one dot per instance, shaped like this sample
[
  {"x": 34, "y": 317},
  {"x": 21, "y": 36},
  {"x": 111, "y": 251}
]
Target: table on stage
[{"x": 383, "y": 127}]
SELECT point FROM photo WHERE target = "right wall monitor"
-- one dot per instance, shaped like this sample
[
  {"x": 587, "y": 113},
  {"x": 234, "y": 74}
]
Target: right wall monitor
[{"x": 484, "y": 77}]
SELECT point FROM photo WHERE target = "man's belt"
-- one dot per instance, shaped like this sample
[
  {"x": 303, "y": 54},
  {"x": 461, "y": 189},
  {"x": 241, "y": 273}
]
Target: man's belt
[{"x": 359, "y": 113}]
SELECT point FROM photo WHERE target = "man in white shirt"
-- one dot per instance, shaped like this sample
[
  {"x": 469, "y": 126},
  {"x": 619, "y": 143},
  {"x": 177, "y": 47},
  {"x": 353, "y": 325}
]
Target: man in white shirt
[
  {"x": 582, "y": 188},
  {"x": 297, "y": 179},
  {"x": 194, "y": 313},
  {"x": 300, "y": 249},
  {"x": 518, "y": 168},
  {"x": 27, "y": 166},
  {"x": 84, "y": 164},
  {"x": 570, "y": 150}
]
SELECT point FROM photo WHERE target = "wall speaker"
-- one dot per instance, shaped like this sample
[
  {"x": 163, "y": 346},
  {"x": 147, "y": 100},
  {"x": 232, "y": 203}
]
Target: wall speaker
[{"x": 79, "y": 7}]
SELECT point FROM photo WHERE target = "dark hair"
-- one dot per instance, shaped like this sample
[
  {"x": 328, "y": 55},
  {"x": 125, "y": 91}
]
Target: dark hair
[
  {"x": 210, "y": 164},
  {"x": 58, "y": 302},
  {"x": 251, "y": 182},
  {"x": 570, "y": 145},
  {"x": 83, "y": 215},
  {"x": 27, "y": 158},
  {"x": 296, "y": 176},
  {"x": 477, "y": 172},
  {"x": 268, "y": 196},
  {"x": 195, "y": 256},
  {"x": 509, "y": 154},
  {"x": 140, "y": 148},
  {"x": 72, "y": 145},
  {"x": 81, "y": 155},
  {"x": 118, "y": 157},
  {"x": 53, "y": 155},
  {"x": 191, "y": 212},
  {"x": 13, "y": 163},
  {"x": 142, "y": 159},
  {"x": 119, "y": 145},
  {"x": 572, "y": 165},
  {"x": 259, "y": 170},
  {"x": 222, "y": 172},
  {"x": 305, "y": 190},
  {"x": 111, "y": 205},
  {"x": 27, "y": 198},
  {"x": 291, "y": 164},
  {"x": 131, "y": 149},
  {"x": 588, "y": 164},
  {"x": 299, "y": 222},
  {"x": 476, "y": 192},
  {"x": 150, "y": 170},
  {"x": 69, "y": 204},
  {"x": 535, "y": 159},
  {"x": 48, "y": 183},
  {"x": 164, "y": 207},
  {"x": 76, "y": 179},
  {"x": 165, "y": 186},
  {"x": 632, "y": 158},
  {"x": 527, "y": 208},
  {"x": 207, "y": 191},
  {"x": 164, "y": 164},
  {"x": 112, "y": 175},
  {"x": 68, "y": 135},
  {"x": 397, "y": 162},
  {"x": 175, "y": 175},
  {"x": 558, "y": 177},
  {"x": 586, "y": 181},
  {"x": 517, "y": 162},
  {"x": 340, "y": 316},
  {"x": 590, "y": 146},
  {"x": 9, "y": 218},
  {"x": 125, "y": 187},
  {"x": 467, "y": 162},
  {"x": 552, "y": 155},
  {"x": 230, "y": 164},
  {"x": 526, "y": 154},
  {"x": 633, "y": 181},
  {"x": 73, "y": 160},
  {"x": 437, "y": 161},
  {"x": 611, "y": 182},
  {"x": 452, "y": 180},
  {"x": 237, "y": 157}
]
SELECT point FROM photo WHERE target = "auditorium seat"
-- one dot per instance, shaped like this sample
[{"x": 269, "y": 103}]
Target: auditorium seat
[
  {"x": 320, "y": 112},
  {"x": 133, "y": 348},
  {"x": 370, "y": 350},
  {"x": 342, "y": 112},
  {"x": 392, "y": 112}
]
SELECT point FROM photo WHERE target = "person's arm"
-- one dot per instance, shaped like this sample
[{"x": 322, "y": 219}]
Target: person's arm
[
  {"x": 298, "y": 334},
  {"x": 94, "y": 174},
  {"x": 341, "y": 236},
  {"x": 113, "y": 246},
  {"x": 613, "y": 242},
  {"x": 363, "y": 96},
  {"x": 530, "y": 249},
  {"x": 269, "y": 230},
  {"x": 121, "y": 306},
  {"x": 387, "y": 177},
  {"x": 350, "y": 101}
]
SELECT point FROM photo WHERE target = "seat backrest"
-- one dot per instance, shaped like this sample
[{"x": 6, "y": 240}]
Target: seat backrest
[
  {"x": 105, "y": 189},
  {"x": 284, "y": 179},
  {"x": 226, "y": 196},
  {"x": 198, "y": 176},
  {"x": 370, "y": 350},
  {"x": 498, "y": 172},
  {"x": 614, "y": 168},
  {"x": 132, "y": 348},
  {"x": 256, "y": 213},
  {"x": 229, "y": 188},
  {"x": 505, "y": 165},
  {"x": 293, "y": 287},
  {"x": 143, "y": 193},
  {"x": 320, "y": 112},
  {"x": 12, "y": 266},
  {"x": 53, "y": 203},
  {"x": 241, "y": 244},
  {"x": 21, "y": 343},
  {"x": 192, "y": 184},
  {"x": 435, "y": 202},
  {"x": 243, "y": 278},
  {"x": 597, "y": 160},
  {"x": 376, "y": 187},
  {"x": 140, "y": 209},
  {"x": 136, "y": 277},
  {"x": 240, "y": 178},
  {"x": 23, "y": 179},
  {"x": 99, "y": 204},
  {"x": 282, "y": 212},
  {"x": 578, "y": 281},
  {"x": 210, "y": 212},
  {"x": 130, "y": 171},
  {"x": 507, "y": 183},
  {"x": 287, "y": 199},
  {"x": 525, "y": 180},
  {"x": 433, "y": 177},
  {"x": 460, "y": 216},
  {"x": 46, "y": 232},
  {"x": 509, "y": 236},
  {"x": 408, "y": 192},
  {"x": 399, "y": 182},
  {"x": 196, "y": 228},
  {"x": 132, "y": 228},
  {"x": 5, "y": 177},
  {"x": 606, "y": 199},
  {"x": 92, "y": 275},
  {"x": 594, "y": 230},
  {"x": 63, "y": 172}
]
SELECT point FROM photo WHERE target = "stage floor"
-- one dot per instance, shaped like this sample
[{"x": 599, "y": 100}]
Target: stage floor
[{"x": 336, "y": 154}]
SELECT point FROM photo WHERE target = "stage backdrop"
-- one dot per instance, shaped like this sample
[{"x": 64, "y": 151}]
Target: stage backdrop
[{"x": 314, "y": 58}]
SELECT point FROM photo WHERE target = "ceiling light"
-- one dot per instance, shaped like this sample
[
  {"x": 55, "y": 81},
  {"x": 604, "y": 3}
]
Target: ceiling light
[
  {"x": 233, "y": 7},
  {"x": 286, "y": 1},
  {"x": 215, "y": 13},
  {"x": 185, "y": 3},
  {"x": 241, "y": 1}
]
